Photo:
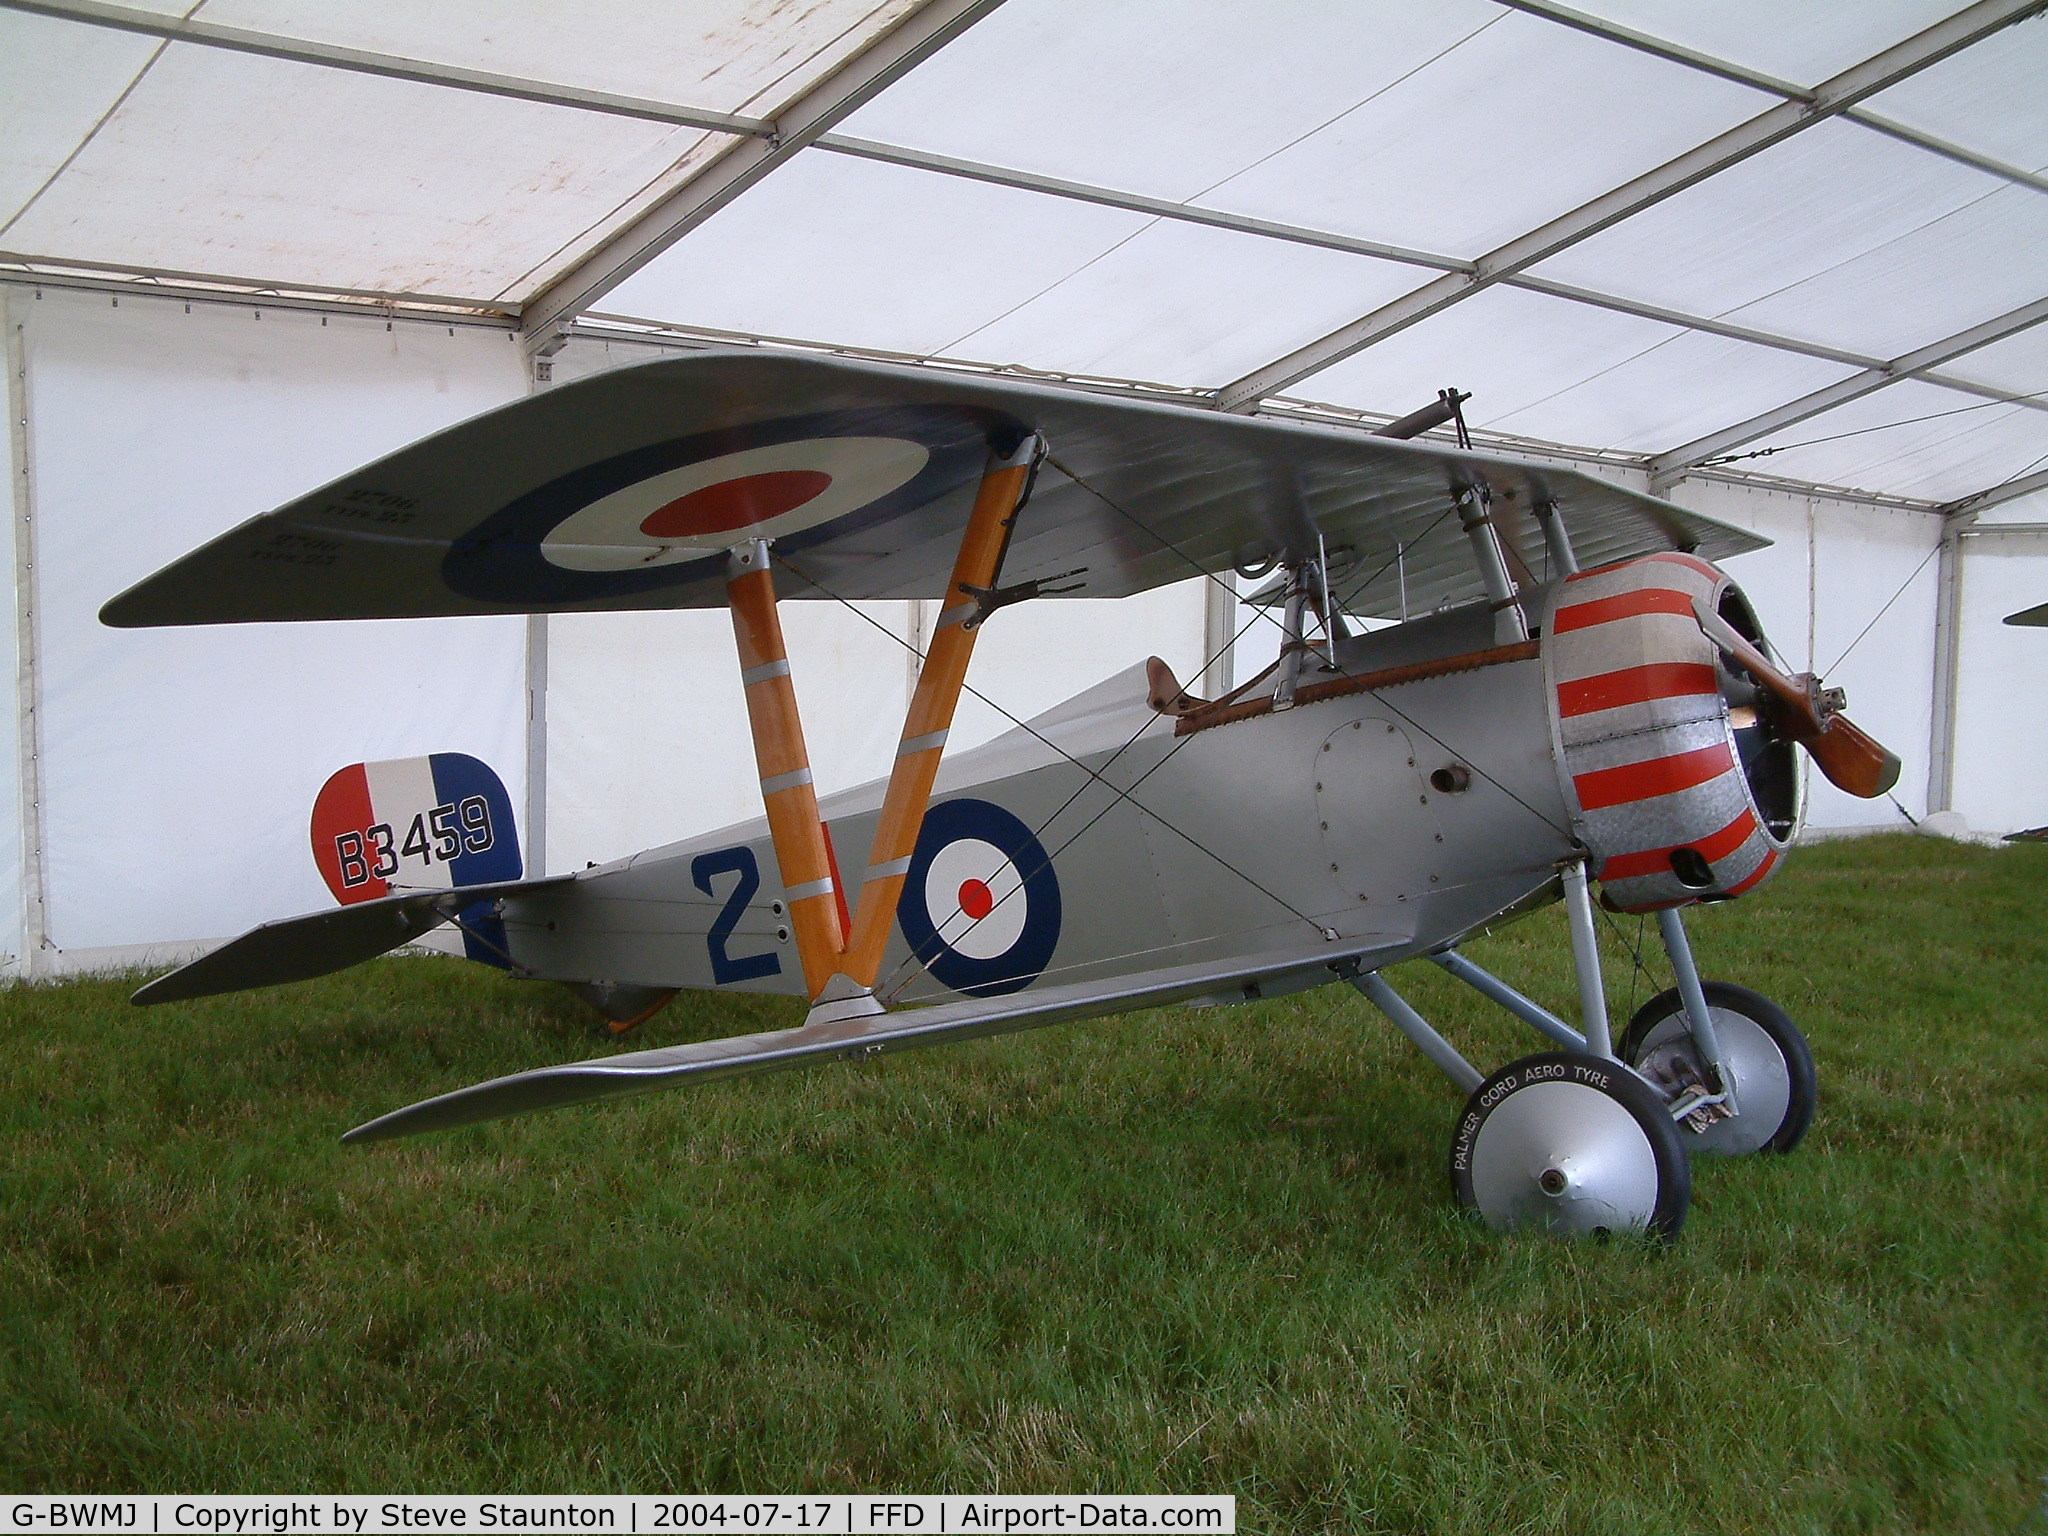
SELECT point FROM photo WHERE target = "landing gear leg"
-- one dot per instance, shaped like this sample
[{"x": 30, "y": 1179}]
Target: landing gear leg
[
  {"x": 1572, "y": 1142},
  {"x": 1567, "y": 1142},
  {"x": 1717, "y": 1041}
]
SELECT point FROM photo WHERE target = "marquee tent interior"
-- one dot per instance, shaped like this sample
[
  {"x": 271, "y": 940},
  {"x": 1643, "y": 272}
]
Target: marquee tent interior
[{"x": 1782, "y": 264}]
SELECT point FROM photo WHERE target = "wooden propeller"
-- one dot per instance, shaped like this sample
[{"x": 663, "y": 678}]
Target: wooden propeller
[{"x": 1810, "y": 714}]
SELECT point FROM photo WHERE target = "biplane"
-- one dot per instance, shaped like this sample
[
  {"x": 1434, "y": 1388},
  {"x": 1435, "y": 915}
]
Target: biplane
[{"x": 1494, "y": 685}]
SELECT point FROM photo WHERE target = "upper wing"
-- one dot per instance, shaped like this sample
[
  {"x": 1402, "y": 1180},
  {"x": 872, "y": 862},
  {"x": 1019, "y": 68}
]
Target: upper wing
[
  {"x": 609, "y": 1077},
  {"x": 624, "y": 490}
]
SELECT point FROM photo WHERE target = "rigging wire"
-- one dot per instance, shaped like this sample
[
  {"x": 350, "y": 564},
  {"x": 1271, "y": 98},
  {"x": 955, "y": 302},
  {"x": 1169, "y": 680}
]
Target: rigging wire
[
  {"x": 1887, "y": 608},
  {"x": 1094, "y": 775},
  {"x": 1883, "y": 426},
  {"x": 1378, "y": 695},
  {"x": 2008, "y": 480},
  {"x": 1634, "y": 948}
]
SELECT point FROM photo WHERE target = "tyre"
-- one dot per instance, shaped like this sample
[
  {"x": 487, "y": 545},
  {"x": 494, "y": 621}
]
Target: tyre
[
  {"x": 1775, "y": 1089},
  {"x": 1573, "y": 1145}
]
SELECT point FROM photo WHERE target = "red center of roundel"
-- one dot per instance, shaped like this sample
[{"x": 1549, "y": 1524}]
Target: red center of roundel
[
  {"x": 976, "y": 900},
  {"x": 734, "y": 504}
]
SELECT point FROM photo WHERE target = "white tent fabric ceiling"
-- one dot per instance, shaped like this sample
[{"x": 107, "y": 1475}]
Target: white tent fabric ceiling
[{"x": 1390, "y": 141}]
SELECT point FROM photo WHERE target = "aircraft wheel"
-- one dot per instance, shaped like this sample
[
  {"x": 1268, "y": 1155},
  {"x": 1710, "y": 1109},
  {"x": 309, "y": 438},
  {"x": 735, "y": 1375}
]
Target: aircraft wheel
[
  {"x": 1573, "y": 1145},
  {"x": 1773, "y": 1069}
]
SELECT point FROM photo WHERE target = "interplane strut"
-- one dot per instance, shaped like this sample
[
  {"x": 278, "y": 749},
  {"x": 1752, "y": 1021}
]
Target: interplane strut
[{"x": 841, "y": 956}]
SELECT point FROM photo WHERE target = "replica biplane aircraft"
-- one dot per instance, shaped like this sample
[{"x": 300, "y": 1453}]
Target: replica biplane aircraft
[{"x": 1585, "y": 697}]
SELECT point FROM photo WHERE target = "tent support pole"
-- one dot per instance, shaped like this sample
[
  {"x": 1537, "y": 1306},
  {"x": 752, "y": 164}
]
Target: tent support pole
[
  {"x": 801, "y": 851},
  {"x": 34, "y": 934},
  {"x": 1948, "y": 651},
  {"x": 930, "y": 716}
]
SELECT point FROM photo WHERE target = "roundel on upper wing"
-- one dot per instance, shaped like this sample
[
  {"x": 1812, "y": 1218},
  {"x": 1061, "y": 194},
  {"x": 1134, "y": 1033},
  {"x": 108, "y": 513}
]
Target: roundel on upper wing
[
  {"x": 981, "y": 903},
  {"x": 664, "y": 515}
]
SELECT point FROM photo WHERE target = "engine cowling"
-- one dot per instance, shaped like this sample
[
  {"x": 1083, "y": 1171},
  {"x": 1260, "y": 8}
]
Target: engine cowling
[{"x": 1673, "y": 776}]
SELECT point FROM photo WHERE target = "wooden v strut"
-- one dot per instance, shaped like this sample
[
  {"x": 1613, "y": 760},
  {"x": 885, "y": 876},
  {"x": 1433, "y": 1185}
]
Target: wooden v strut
[{"x": 840, "y": 966}]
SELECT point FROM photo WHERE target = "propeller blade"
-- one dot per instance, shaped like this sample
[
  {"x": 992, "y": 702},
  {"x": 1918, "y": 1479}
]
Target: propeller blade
[
  {"x": 1853, "y": 761},
  {"x": 1798, "y": 698}
]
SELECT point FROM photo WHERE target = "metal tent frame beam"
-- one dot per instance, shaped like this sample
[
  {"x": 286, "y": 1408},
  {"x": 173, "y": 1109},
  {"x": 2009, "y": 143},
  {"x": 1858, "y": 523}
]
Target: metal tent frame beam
[
  {"x": 885, "y": 60},
  {"x": 759, "y": 145},
  {"x": 1671, "y": 465},
  {"x": 1830, "y": 99},
  {"x": 271, "y": 45},
  {"x": 423, "y": 71},
  {"x": 60, "y": 269},
  {"x": 1188, "y": 213},
  {"x": 1707, "y": 64},
  {"x": 1997, "y": 495}
]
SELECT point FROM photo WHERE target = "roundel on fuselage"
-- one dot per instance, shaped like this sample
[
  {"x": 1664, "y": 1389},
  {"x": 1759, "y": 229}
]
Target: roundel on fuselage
[{"x": 981, "y": 902}]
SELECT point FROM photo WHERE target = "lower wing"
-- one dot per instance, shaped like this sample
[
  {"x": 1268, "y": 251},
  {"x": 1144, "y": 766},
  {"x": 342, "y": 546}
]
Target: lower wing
[{"x": 607, "y": 1077}]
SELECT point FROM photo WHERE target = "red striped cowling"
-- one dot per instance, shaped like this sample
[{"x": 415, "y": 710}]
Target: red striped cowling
[{"x": 1645, "y": 747}]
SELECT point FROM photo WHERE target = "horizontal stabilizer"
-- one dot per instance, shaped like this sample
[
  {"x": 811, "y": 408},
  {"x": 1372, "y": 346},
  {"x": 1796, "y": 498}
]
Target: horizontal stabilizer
[
  {"x": 297, "y": 948},
  {"x": 607, "y": 1077}
]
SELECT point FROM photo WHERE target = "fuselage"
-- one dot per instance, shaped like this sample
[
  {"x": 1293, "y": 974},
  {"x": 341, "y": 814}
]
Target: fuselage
[
  {"x": 1303, "y": 827},
  {"x": 1426, "y": 781}
]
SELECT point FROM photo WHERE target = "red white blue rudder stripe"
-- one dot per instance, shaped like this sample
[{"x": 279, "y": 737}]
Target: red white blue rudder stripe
[
  {"x": 418, "y": 823},
  {"x": 1648, "y": 753}
]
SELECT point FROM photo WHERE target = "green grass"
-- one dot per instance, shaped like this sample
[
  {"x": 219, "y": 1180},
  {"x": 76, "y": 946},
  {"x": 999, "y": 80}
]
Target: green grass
[{"x": 1205, "y": 1252}]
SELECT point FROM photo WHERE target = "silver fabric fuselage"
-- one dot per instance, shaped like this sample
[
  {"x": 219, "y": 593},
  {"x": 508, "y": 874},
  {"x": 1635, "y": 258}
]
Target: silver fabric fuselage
[{"x": 1313, "y": 829}]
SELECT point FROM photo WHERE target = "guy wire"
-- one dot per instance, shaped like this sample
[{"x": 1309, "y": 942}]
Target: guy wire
[{"x": 1093, "y": 774}]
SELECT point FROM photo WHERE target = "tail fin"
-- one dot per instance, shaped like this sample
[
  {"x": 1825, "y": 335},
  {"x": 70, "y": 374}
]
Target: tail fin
[{"x": 418, "y": 824}]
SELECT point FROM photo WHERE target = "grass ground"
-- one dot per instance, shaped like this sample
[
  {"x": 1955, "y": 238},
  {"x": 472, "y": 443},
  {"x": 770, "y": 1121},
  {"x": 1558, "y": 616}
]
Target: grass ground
[{"x": 1206, "y": 1252}]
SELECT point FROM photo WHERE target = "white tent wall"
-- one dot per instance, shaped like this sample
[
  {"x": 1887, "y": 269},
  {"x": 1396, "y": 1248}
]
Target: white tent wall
[
  {"x": 15, "y": 894},
  {"x": 178, "y": 766},
  {"x": 2002, "y": 704}
]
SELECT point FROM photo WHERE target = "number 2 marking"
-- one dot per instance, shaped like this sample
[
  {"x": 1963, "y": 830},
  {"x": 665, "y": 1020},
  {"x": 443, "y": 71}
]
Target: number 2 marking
[{"x": 739, "y": 861}]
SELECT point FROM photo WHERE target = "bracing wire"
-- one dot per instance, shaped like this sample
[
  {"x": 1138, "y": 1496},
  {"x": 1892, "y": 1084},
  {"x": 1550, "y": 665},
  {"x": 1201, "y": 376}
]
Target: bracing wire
[
  {"x": 1634, "y": 948},
  {"x": 1988, "y": 490},
  {"x": 1887, "y": 608},
  {"x": 1883, "y": 426},
  {"x": 1121, "y": 793},
  {"x": 1378, "y": 695}
]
